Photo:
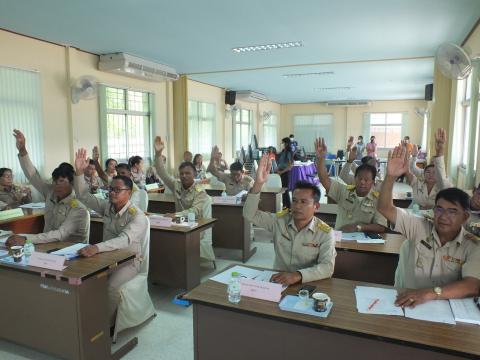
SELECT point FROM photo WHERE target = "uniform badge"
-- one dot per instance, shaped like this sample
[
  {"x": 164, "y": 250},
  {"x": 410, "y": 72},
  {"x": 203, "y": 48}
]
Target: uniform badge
[
  {"x": 427, "y": 245},
  {"x": 282, "y": 212},
  {"x": 132, "y": 211},
  {"x": 350, "y": 187},
  {"x": 74, "y": 203},
  {"x": 324, "y": 227}
]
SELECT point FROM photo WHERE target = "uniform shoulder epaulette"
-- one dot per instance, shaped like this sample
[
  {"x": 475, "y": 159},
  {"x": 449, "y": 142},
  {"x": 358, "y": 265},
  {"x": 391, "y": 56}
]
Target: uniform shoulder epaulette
[
  {"x": 468, "y": 235},
  {"x": 74, "y": 203},
  {"x": 132, "y": 211},
  {"x": 282, "y": 212},
  {"x": 375, "y": 194},
  {"x": 350, "y": 187},
  {"x": 324, "y": 227},
  {"x": 198, "y": 188}
]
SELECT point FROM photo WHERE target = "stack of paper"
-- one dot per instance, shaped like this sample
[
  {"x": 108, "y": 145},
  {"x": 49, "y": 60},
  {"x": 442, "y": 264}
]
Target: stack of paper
[
  {"x": 465, "y": 310},
  {"x": 38, "y": 205},
  {"x": 436, "y": 311},
  {"x": 361, "y": 238},
  {"x": 158, "y": 220},
  {"x": 380, "y": 301}
]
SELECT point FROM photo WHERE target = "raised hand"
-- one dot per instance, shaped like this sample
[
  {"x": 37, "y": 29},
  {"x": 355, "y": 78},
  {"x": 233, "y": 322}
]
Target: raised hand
[
  {"x": 214, "y": 153},
  {"x": 415, "y": 150},
  {"x": 440, "y": 139},
  {"x": 397, "y": 164},
  {"x": 81, "y": 161},
  {"x": 320, "y": 148},
  {"x": 264, "y": 167},
  {"x": 159, "y": 145},
  {"x": 403, "y": 143},
  {"x": 95, "y": 153},
  {"x": 352, "y": 155},
  {"x": 349, "y": 143},
  {"x": 20, "y": 140}
]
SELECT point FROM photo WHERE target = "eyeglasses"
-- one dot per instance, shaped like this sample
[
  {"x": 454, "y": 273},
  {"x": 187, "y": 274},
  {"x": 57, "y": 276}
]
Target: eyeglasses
[
  {"x": 116, "y": 190},
  {"x": 451, "y": 213}
]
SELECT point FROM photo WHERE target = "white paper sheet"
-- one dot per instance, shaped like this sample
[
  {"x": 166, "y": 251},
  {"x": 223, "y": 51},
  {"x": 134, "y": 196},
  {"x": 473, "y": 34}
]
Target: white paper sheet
[
  {"x": 39, "y": 205},
  {"x": 465, "y": 310},
  {"x": 371, "y": 241},
  {"x": 70, "y": 252},
  {"x": 379, "y": 301},
  {"x": 435, "y": 311},
  {"x": 243, "y": 271},
  {"x": 355, "y": 236}
]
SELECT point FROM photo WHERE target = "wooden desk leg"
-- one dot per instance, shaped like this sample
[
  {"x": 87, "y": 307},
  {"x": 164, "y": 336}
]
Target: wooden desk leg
[
  {"x": 125, "y": 349},
  {"x": 247, "y": 251},
  {"x": 175, "y": 259}
]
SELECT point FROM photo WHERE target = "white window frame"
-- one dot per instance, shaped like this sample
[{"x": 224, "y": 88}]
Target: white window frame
[
  {"x": 239, "y": 119},
  {"x": 322, "y": 125},
  {"x": 386, "y": 114},
  {"x": 270, "y": 124},
  {"x": 148, "y": 130},
  {"x": 198, "y": 119}
]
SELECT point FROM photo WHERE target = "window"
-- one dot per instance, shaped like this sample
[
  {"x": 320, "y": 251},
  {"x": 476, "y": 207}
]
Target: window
[
  {"x": 307, "y": 128},
  {"x": 242, "y": 128},
  {"x": 466, "y": 94},
  {"x": 387, "y": 129},
  {"x": 201, "y": 127},
  {"x": 270, "y": 130},
  {"x": 20, "y": 108},
  {"x": 126, "y": 123}
]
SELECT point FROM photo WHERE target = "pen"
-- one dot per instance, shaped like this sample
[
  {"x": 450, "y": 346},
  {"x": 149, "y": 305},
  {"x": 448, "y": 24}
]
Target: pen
[{"x": 370, "y": 307}]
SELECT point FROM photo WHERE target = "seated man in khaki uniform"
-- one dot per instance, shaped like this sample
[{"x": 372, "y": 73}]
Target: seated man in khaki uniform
[
  {"x": 124, "y": 226},
  {"x": 66, "y": 218},
  {"x": 304, "y": 245},
  {"x": 11, "y": 195},
  {"x": 357, "y": 204},
  {"x": 439, "y": 259},
  {"x": 234, "y": 182},
  {"x": 189, "y": 197},
  {"x": 350, "y": 166}
]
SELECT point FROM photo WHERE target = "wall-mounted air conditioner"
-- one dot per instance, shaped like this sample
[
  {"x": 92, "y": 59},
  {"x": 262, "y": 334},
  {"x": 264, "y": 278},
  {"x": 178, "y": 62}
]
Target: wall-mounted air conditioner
[
  {"x": 132, "y": 66},
  {"x": 349, "y": 103},
  {"x": 250, "y": 96}
]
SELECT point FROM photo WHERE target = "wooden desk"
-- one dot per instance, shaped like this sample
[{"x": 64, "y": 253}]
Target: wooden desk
[
  {"x": 374, "y": 263},
  {"x": 232, "y": 231},
  {"x": 266, "y": 332},
  {"x": 174, "y": 252},
  {"x": 32, "y": 222},
  {"x": 327, "y": 213},
  {"x": 64, "y": 313}
]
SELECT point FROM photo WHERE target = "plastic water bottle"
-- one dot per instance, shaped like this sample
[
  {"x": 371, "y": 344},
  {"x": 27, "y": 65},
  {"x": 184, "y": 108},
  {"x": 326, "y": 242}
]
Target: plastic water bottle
[
  {"x": 234, "y": 288},
  {"x": 224, "y": 193},
  {"x": 28, "y": 248},
  {"x": 416, "y": 209},
  {"x": 191, "y": 219}
]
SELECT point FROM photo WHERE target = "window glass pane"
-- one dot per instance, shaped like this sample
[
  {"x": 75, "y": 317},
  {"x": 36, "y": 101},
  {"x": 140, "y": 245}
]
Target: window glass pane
[
  {"x": 201, "y": 127},
  {"x": 116, "y": 134},
  {"x": 387, "y": 129},
  {"x": 115, "y": 98},
  {"x": 376, "y": 119}
]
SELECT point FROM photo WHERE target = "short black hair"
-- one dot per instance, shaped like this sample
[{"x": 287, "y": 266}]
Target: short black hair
[
  {"x": 187, "y": 164},
  {"x": 360, "y": 136},
  {"x": 108, "y": 162},
  {"x": 123, "y": 166},
  {"x": 126, "y": 181},
  {"x": 134, "y": 160},
  {"x": 366, "y": 159},
  {"x": 428, "y": 167},
  {"x": 4, "y": 170},
  {"x": 455, "y": 196},
  {"x": 286, "y": 140},
  {"x": 236, "y": 166},
  {"x": 406, "y": 137},
  {"x": 291, "y": 136},
  {"x": 64, "y": 170},
  {"x": 366, "y": 167},
  {"x": 91, "y": 162},
  {"x": 306, "y": 185}
]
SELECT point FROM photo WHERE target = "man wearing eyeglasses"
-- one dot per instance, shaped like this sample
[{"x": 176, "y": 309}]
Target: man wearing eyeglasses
[
  {"x": 124, "y": 225},
  {"x": 439, "y": 259},
  {"x": 65, "y": 216}
]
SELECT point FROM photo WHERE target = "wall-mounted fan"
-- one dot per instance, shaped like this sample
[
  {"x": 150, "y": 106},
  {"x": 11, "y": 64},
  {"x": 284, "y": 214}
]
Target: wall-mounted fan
[
  {"x": 84, "y": 88},
  {"x": 453, "y": 61}
]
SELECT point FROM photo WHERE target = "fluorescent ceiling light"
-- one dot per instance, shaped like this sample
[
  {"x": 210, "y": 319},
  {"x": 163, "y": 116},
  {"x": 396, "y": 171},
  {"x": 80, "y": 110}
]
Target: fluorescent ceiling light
[
  {"x": 335, "y": 88},
  {"x": 310, "y": 74},
  {"x": 285, "y": 45}
]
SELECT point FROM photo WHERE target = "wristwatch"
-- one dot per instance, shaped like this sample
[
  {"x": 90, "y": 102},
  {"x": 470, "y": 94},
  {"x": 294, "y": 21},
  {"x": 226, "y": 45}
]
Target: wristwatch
[
  {"x": 437, "y": 290},
  {"x": 359, "y": 228}
]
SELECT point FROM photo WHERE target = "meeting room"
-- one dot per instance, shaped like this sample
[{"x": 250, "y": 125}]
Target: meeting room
[{"x": 212, "y": 180}]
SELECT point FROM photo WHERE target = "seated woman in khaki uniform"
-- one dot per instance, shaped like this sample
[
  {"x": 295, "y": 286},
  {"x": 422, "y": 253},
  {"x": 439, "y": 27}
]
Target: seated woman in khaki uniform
[
  {"x": 439, "y": 259},
  {"x": 124, "y": 226},
  {"x": 357, "y": 204},
  {"x": 65, "y": 217},
  {"x": 434, "y": 179},
  {"x": 11, "y": 195}
]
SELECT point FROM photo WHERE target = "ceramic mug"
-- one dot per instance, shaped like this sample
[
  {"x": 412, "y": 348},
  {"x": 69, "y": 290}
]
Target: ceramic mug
[
  {"x": 320, "y": 301},
  {"x": 17, "y": 253}
]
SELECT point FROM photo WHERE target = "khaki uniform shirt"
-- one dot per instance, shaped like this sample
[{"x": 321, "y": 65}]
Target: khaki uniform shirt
[
  {"x": 425, "y": 263},
  {"x": 65, "y": 220},
  {"x": 347, "y": 175},
  {"x": 194, "y": 199},
  {"x": 125, "y": 229},
  {"x": 473, "y": 219},
  {"x": 352, "y": 209},
  {"x": 419, "y": 187},
  {"x": 311, "y": 251},
  {"x": 231, "y": 186},
  {"x": 14, "y": 196}
]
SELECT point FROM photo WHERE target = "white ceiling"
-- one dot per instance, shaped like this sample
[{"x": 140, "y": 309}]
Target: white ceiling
[{"x": 354, "y": 39}]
